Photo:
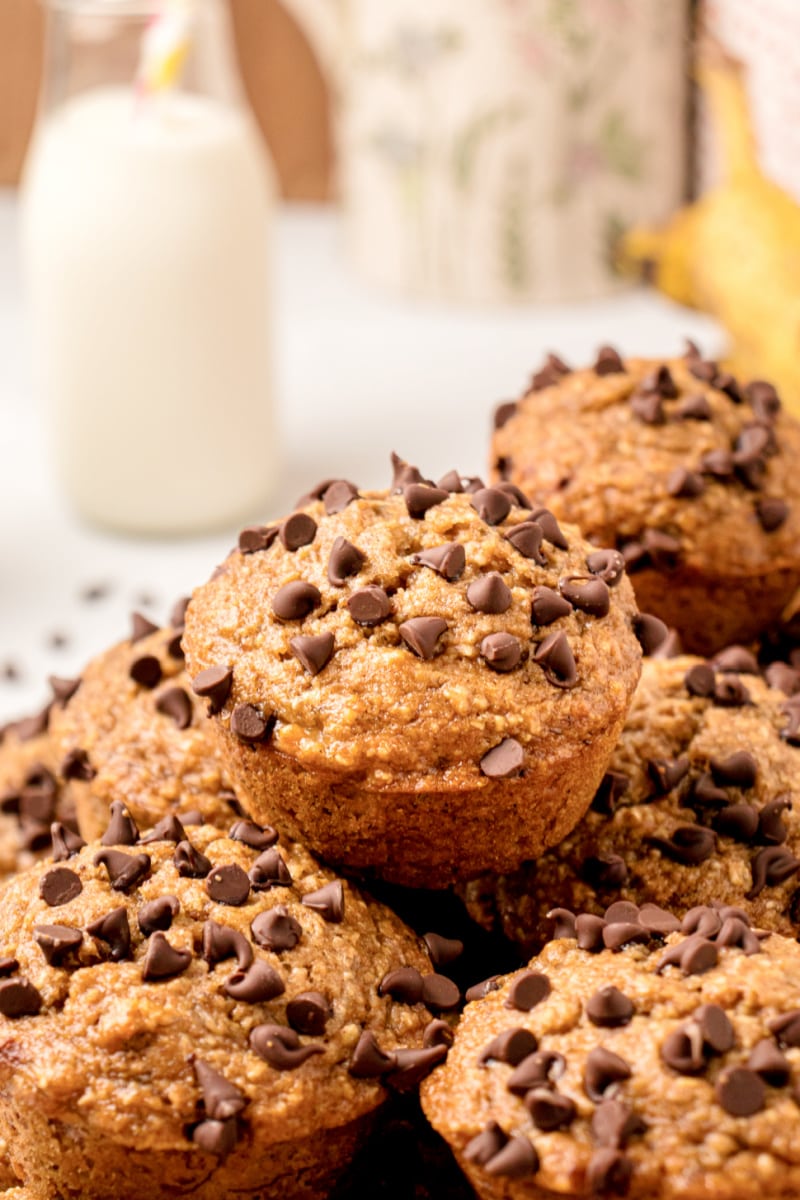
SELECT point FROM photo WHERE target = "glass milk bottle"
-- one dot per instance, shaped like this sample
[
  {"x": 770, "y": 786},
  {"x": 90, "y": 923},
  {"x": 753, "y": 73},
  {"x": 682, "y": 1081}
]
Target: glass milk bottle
[{"x": 146, "y": 220}]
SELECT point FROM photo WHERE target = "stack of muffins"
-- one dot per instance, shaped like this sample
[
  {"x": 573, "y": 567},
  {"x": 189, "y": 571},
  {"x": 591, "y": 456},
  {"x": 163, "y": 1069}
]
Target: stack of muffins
[{"x": 391, "y": 699}]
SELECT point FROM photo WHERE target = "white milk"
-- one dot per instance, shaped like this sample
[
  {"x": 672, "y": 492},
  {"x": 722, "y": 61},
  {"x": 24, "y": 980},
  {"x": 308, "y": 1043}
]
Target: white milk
[{"x": 145, "y": 242}]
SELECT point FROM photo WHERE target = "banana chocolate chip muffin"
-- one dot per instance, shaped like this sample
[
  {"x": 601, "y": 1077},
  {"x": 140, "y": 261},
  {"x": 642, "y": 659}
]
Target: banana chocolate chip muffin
[
  {"x": 423, "y": 682},
  {"x": 134, "y": 731},
  {"x": 702, "y": 799},
  {"x": 694, "y": 477},
  {"x": 638, "y": 1055},
  {"x": 195, "y": 1013}
]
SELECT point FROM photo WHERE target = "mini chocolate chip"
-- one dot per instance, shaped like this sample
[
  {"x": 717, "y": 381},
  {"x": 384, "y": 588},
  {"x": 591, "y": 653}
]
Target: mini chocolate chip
[
  {"x": 735, "y": 932},
  {"x": 369, "y": 606},
  {"x": 609, "y": 1007},
  {"x": 764, "y": 399},
  {"x": 516, "y": 1159},
  {"x": 309, "y": 1013},
  {"x": 737, "y": 659},
  {"x": 280, "y": 1046},
  {"x": 270, "y": 871},
  {"x": 369, "y": 1061},
  {"x": 688, "y": 845},
  {"x": 786, "y": 1028},
  {"x": 528, "y": 989},
  {"x": 671, "y": 647},
  {"x": 771, "y": 866},
  {"x": 589, "y": 932},
  {"x": 715, "y": 1027},
  {"x": 298, "y": 530},
  {"x": 501, "y": 651},
  {"x": 549, "y": 1110},
  {"x": 548, "y": 606},
  {"x": 451, "y": 482},
  {"x": 437, "y": 1033},
  {"x": 447, "y": 560},
  {"x": 552, "y": 372},
  {"x": 660, "y": 381},
  {"x": 554, "y": 655},
  {"x": 19, "y": 998},
  {"x": 220, "y": 942},
  {"x": 403, "y": 984},
  {"x": 146, "y": 671},
  {"x": 489, "y": 594},
  {"x": 256, "y": 984},
  {"x": 59, "y": 886},
  {"x": 221, "y": 1099},
  {"x": 737, "y": 770},
  {"x": 76, "y": 765},
  {"x": 740, "y": 1091},
  {"x": 738, "y": 821},
  {"x": 249, "y": 725},
  {"x": 421, "y": 635},
  {"x": 771, "y": 829},
  {"x": 725, "y": 382},
  {"x": 328, "y": 901},
  {"x": 603, "y": 1070},
  {"x": 257, "y": 537},
  {"x": 694, "y": 408},
  {"x": 190, "y": 862},
  {"x": 647, "y": 406},
  {"x": 141, "y": 627},
  {"x": 479, "y": 991},
  {"x": 718, "y": 463},
  {"x": 168, "y": 829},
  {"x": 511, "y": 1046},
  {"x": 540, "y": 1069},
  {"x": 783, "y": 678},
  {"x": 162, "y": 960},
  {"x": 502, "y": 414},
  {"x": 216, "y": 1137},
  {"x": 485, "y": 1145},
  {"x": 258, "y": 837},
  {"x": 295, "y": 600},
  {"x": 228, "y": 885},
  {"x": 121, "y": 830},
  {"x": 604, "y": 870},
  {"x": 175, "y": 703},
  {"x": 527, "y": 538},
  {"x": 609, "y": 1173},
  {"x": 650, "y": 631},
  {"x": 550, "y": 527},
  {"x": 694, "y": 956},
  {"x": 666, "y": 774},
  {"x": 772, "y": 513},
  {"x": 608, "y": 565},
  {"x": 419, "y": 497},
  {"x": 504, "y": 761},
  {"x": 214, "y": 684},
  {"x": 563, "y": 923},
  {"x": 614, "y": 1122},
  {"x": 608, "y": 362},
  {"x": 622, "y": 911},
  {"x": 618, "y": 934},
  {"x": 685, "y": 484},
  {"x": 703, "y": 920},
  {"x": 769, "y": 1063},
  {"x": 682, "y": 1049},
  {"x": 114, "y": 930},
  {"x": 491, "y": 504},
  {"x": 700, "y": 681},
  {"x": 158, "y": 914},
  {"x": 276, "y": 930},
  {"x": 56, "y": 942},
  {"x": 66, "y": 843},
  {"x": 345, "y": 560},
  {"x": 439, "y": 993},
  {"x": 613, "y": 787},
  {"x": 125, "y": 871},
  {"x": 63, "y": 689},
  {"x": 313, "y": 653},
  {"x": 412, "y": 1066},
  {"x": 316, "y": 493},
  {"x": 589, "y": 595},
  {"x": 662, "y": 548}
]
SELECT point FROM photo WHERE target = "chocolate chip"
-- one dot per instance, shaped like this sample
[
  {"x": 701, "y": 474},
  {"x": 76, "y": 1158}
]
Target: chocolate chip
[
  {"x": 771, "y": 866},
  {"x": 589, "y": 932},
  {"x": 114, "y": 930},
  {"x": 786, "y": 1028},
  {"x": 694, "y": 956},
  {"x": 604, "y": 870},
  {"x": 221, "y": 942},
  {"x": 489, "y": 594},
  {"x": 403, "y": 984},
  {"x": 228, "y": 885},
  {"x": 250, "y": 725},
  {"x": 369, "y": 606},
  {"x": 19, "y": 998},
  {"x": 162, "y": 960},
  {"x": 608, "y": 565},
  {"x": 258, "y": 837},
  {"x": 447, "y": 560},
  {"x": 764, "y": 399},
  {"x": 216, "y": 1137},
  {"x": 168, "y": 829},
  {"x": 501, "y": 651},
  {"x": 548, "y": 606},
  {"x": 451, "y": 481},
  {"x": 479, "y": 991},
  {"x": 369, "y": 1061},
  {"x": 660, "y": 381},
  {"x": 603, "y": 1070},
  {"x": 76, "y": 765},
  {"x": 190, "y": 862},
  {"x": 549, "y": 1110},
  {"x": 650, "y": 631},
  {"x": 550, "y": 527},
  {"x": 738, "y": 821},
  {"x": 492, "y": 505},
  {"x": 269, "y": 871},
  {"x": 647, "y": 406},
  {"x": 419, "y": 497},
  {"x": 609, "y": 1173},
  {"x": 437, "y": 1033},
  {"x": 276, "y": 930},
  {"x": 740, "y": 1091},
  {"x": 502, "y": 414},
  {"x": 608, "y": 362},
  {"x": 309, "y": 1013},
  {"x": 609, "y": 1007},
  {"x": 516, "y": 1159},
  {"x": 256, "y": 984},
  {"x": 56, "y": 942},
  {"x": 772, "y": 513},
  {"x": 146, "y": 671},
  {"x": 737, "y": 659},
  {"x": 439, "y": 993},
  {"x": 736, "y": 770},
  {"x": 175, "y": 703},
  {"x": 694, "y": 408},
  {"x": 313, "y": 652},
  {"x": 257, "y": 537},
  {"x": 280, "y": 1046},
  {"x": 618, "y": 934},
  {"x": 316, "y": 493},
  {"x": 528, "y": 989},
  {"x": 783, "y": 678},
  {"x": 328, "y": 901},
  {"x": 715, "y": 1027},
  {"x": 421, "y": 635},
  {"x": 485, "y": 1145},
  {"x": 622, "y": 910},
  {"x": 511, "y": 1046},
  {"x": 345, "y": 560},
  {"x": 221, "y": 1099},
  {"x": 298, "y": 530},
  {"x": 66, "y": 842},
  {"x": 63, "y": 689},
  {"x": 59, "y": 886},
  {"x": 412, "y": 1066},
  {"x": 771, "y": 829},
  {"x": 791, "y": 732},
  {"x": 614, "y": 1122},
  {"x": 121, "y": 830},
  {"x": 552, "y": 372},
  {"x": 125, "y": 871},
  {"x": 703, "y": 920},
  {"x": 685, "y": 484},
  {"x": 682, "y": 1049},
  {"x": 702, "y": 368},
  {"x": 563, "y": 923},
  {"x": 735, "y": 932},
  {"x": 589, "y": 595},
  {"x": 700, "y": 681},
  {"x": 540, "y": 1069},
  {"x": 32, "y": 727},
  {"x": 718, "y": 463},
  {"x": 295, "y": 600},
  {"x": 504, "y": 761},
  {"x": 554, "y": 655},
  {"x": 158, "y": 914},
  {"x": 527, "y": 538},
  {"x": 141, "y": 627},
  {"x": 613, "y": 787},
  {"x": 769, "y": 1063},
  {"x": 663, "y": 549},
  {"x": 688, "y": 845},
  {"x": 666, "y": 774},
  {"x": 8, "y": 966},
  {"x": 214, "y": 684}
]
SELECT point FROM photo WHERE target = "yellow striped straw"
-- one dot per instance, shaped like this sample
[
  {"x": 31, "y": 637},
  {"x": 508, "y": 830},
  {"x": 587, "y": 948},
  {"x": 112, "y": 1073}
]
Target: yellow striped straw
[{"x": 164, "y": 47}]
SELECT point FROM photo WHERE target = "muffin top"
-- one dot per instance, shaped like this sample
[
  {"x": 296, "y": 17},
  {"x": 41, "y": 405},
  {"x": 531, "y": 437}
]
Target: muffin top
[
  {"x": 200, "y": 988},
  {"x": 417, "y": 630},
  {"x": 701, "y": 800},
  {"x": 673, "y": 459},
  {"x": 635, "y": 1056},
  {"x": 134, "y": 731}
]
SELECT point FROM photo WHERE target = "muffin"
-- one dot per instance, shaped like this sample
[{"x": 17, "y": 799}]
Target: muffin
[
  {"x": 203, "y": 1014},
  {"x": 636, "y": 1056},
  {"x": 421, "y": 683},
  {"x": 134, "y": 731},
  {"x": 701, "y": 800},
  {"x": 694, "y": 478}
]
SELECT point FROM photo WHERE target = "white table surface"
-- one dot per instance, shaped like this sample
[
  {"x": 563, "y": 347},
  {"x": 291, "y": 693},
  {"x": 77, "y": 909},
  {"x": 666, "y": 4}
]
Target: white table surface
[{"x": 358, "y": 374}]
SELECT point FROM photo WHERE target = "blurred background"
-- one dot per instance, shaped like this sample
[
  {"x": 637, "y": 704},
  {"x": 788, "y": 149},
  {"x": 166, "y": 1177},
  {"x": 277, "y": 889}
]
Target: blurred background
[{"x": 248, "y": 245}]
